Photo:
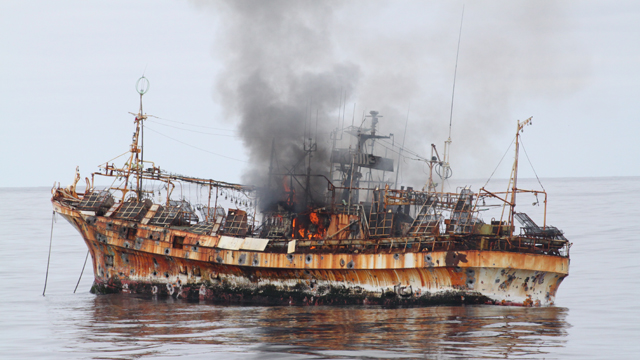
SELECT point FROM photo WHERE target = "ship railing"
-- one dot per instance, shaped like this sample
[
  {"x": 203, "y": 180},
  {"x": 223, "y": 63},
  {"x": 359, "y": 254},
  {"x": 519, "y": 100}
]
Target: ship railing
[
  {"x": 416, "y": 244},
  {"x": 548, "y": 246},
  {"x": 409, "y": 196},
  {"x": 388, "y": 245},
  {"x": 503, "y": 198},
  {"x": 420, "y": 245}
]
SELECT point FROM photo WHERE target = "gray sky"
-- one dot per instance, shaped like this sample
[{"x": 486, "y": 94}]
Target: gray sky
[{"x": 68, "y": 70}]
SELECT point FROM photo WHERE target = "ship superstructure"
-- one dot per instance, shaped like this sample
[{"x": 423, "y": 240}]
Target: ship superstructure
[{"x": 345, "y": 235}]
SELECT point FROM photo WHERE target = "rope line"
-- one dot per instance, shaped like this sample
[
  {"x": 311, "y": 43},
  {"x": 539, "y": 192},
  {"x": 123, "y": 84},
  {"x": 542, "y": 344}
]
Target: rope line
[
  {"x": 188, "y": 124},
  {"x": 81, "y": 272},
  {"x": 126, "y": 152},
  {"x": 381, "y": 142},
  {"x": 195, "y": 147},
  {"x": 500, "y": 162},
  {"x": 195, "y": 131},
  {"x": 53, "y": 218},
  {"x": 534, "y": 170}
]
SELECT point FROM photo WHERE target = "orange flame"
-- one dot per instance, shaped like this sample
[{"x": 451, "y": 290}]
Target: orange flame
[
  {"x": 290, "y": 191},
  {"x": 309, "y": 226},
  {"x": 314, "y": 218},
  {"x": 293, "y": 235}
]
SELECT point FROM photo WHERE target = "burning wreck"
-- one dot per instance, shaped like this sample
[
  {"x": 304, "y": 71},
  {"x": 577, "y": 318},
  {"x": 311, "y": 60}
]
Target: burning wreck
[{"x": 355, "y": 241}]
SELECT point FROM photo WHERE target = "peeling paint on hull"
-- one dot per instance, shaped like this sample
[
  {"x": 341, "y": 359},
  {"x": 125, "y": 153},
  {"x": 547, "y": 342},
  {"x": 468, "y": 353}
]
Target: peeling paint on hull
[{"x": 147, "y": 265}]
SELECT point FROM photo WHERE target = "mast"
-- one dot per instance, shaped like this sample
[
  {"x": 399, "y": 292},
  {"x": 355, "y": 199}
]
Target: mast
[
  {"x": 434, "y": 160},
  {"x": 142, "y": 86},
  {"x": 313, "y": 146},
  {"x": 513, "y": 180},
  {"x": 446, "y": 167}
]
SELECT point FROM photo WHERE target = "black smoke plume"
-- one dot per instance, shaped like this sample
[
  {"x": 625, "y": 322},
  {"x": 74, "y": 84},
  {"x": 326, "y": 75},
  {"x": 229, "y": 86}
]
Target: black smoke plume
[
  {"x": 282, "y": 67},
  {"x": 283, "y": 86}
]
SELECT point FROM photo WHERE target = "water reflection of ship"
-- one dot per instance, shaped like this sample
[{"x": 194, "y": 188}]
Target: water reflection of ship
[
  {"x": 141, "y": 327},
  {"x": 470, "y": 331}
]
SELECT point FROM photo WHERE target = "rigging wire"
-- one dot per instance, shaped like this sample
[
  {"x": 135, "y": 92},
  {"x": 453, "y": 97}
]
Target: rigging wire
[
  {"x": 505, "y": 154},
  {"x": 195, "y": 147},
  {"x": 184, "y": 123},
  {"x": 393, "y": 150},
  {"x": 410, "y": 152},
  {"x": 534, "y": 170},
  {"x": 455, "y": 72},
  {"x": 107, "y": 162},
  {"x": 195, "y": 131}
]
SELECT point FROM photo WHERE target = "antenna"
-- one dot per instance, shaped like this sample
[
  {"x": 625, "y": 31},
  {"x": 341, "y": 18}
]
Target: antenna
[
  {"x": 446, "y": 168},
  {"x": 455, "y": 72},
  {"x": 307, "y": 111},
  {"x": 344, "y": 107},
  {"x": 404, "y": 137},
  {"x": 353, "y": 118},
  {"x": 317, "y": 115}
]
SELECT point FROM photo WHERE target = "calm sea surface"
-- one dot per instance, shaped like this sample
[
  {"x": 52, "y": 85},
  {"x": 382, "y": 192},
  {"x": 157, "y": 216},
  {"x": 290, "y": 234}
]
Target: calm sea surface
[{"x": 597, "y": 312}]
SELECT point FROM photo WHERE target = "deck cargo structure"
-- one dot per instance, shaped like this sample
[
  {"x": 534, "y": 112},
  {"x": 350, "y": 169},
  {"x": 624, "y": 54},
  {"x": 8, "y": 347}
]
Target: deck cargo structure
[{"x": 283, "y": 243}]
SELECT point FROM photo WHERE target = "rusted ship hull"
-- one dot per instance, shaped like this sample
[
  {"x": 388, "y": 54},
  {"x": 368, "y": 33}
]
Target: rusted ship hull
[
  {"x": 147, "y": 261},
  {"x": 313, "y": 238}
]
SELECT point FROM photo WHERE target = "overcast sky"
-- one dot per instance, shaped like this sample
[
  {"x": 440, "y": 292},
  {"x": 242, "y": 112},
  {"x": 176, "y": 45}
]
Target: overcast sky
[{"x": 68, "y": 71}]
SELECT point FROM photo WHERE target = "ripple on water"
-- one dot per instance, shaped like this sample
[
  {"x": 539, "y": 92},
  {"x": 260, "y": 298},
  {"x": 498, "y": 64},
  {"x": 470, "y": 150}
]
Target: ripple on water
[{"x": 597, "y": 304}]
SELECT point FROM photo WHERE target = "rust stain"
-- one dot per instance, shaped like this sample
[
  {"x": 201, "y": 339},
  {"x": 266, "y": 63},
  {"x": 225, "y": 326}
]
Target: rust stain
[
  {"x": 152, "y": 257},
  {"x": 396, "y": 246}
]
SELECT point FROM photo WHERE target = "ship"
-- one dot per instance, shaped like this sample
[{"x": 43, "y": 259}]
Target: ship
[{"x": 343, "y": 236}]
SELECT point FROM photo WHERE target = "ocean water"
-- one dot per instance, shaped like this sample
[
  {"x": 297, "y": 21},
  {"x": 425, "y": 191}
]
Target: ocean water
[{"x": 597, "y": 312}]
